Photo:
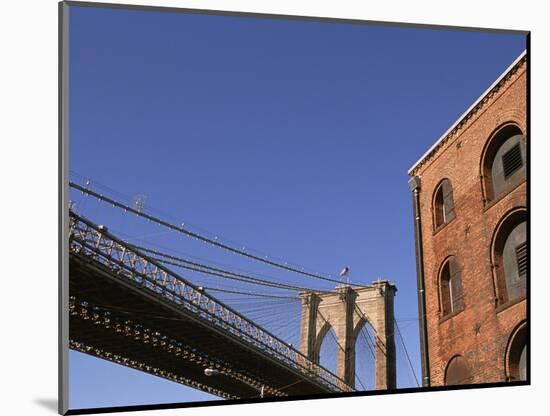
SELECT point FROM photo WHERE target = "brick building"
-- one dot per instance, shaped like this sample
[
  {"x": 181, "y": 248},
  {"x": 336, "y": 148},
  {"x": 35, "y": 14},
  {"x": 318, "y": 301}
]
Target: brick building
[{"x": 469, "y": 195}]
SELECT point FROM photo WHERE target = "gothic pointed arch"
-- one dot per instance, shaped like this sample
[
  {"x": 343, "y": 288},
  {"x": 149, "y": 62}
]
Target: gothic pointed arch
[{"x": 319, "y": 338}]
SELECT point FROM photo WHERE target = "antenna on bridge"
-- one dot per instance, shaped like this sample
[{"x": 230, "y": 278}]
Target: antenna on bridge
[{"x": 139, "y": 202}]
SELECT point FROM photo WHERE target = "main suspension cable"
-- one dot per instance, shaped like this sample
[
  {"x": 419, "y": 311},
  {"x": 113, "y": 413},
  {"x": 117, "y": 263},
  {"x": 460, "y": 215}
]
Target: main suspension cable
[
  {"x": 235, "y": 276},
  {"x": 200, "y": 237},
  {"x": 198, "y": 267}
]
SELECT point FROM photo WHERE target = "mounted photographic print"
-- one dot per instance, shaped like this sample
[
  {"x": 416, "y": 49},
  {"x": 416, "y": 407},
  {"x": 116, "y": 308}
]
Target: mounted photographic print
[{"x": 268, "y": 208}]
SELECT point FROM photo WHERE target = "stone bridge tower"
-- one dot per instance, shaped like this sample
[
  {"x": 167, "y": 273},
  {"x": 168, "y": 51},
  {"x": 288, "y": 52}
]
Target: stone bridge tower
[{"x": 346, "y": 311}]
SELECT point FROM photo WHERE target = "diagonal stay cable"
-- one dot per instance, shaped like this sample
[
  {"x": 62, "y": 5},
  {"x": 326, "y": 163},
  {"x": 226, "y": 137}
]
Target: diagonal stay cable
[
  {"x": 357, "y": 310},
  {"x": 250, "y": 328},
  {"x": 378, "y": 340},
  {"x": 251, "y": 280},
  {"x": 340, "y": 346},
  {"x": 198, "y": 267},
  {"x": 367, "y": 342},
  {"x": 261, "y": 295},
  {"x": 200, "y": 237},
  {"x": 406, "y": 353}
]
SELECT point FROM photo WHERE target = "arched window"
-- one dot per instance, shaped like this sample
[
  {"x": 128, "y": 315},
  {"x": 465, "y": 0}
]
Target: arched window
[
  {"x": 514, "y": 259},
  {"x": 504, "y": 162},
  {"x": 443, "y": 206},
  {"x": 457, "y": 372},
  {"x": 452, "y": 297},
  {"x": 516, "y": 359},
  {"x": 510, "y": 257}
]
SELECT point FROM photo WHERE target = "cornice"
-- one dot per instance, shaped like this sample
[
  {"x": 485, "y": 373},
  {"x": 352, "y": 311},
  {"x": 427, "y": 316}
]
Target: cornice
[{"x": 479, "y": 104}]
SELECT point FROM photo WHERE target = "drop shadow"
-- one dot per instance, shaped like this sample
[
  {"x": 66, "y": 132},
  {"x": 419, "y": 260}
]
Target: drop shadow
[{"x": 49, "y": 404}]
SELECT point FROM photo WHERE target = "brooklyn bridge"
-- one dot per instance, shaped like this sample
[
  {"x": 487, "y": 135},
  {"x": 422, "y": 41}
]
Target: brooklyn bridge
[{"x": 132, "y": 305}]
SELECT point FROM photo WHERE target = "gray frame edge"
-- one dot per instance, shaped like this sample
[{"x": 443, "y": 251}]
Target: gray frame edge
[
  {"x": 63, "y": 224},
  {"x": 260, "y": 15}
]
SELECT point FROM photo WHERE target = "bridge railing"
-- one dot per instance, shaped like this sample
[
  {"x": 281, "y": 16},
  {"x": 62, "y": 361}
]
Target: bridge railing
[{"x": 90, "y": 240}]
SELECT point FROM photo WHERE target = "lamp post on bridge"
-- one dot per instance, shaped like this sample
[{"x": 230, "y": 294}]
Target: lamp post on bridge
[{"x": 213, "y": 372}]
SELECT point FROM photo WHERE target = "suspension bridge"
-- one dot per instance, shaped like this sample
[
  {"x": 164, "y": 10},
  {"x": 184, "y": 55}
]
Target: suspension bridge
[{"x": 131, "y": 304}]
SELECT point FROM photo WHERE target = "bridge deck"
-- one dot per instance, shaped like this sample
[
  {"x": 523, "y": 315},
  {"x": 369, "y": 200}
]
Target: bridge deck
[{"x": 116, "y": 319}]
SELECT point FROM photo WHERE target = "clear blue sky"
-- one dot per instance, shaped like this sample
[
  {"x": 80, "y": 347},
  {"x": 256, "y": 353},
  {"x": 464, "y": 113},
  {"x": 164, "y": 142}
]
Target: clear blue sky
[{"x": 292, "y": 138}]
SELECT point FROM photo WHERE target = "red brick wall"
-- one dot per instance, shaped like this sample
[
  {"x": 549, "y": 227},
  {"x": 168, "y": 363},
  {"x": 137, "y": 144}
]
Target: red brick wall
[{"x": 480, "y": 332}]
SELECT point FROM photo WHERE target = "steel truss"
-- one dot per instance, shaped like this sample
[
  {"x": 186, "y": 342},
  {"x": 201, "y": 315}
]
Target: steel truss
[{"x": 129, "y": 264}]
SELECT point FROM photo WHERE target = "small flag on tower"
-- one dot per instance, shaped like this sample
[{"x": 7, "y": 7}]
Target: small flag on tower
[{"x": 344, "y": 271}]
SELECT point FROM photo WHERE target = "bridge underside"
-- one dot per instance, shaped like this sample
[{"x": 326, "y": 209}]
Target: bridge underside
[{"x": 115, "y": 320}]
